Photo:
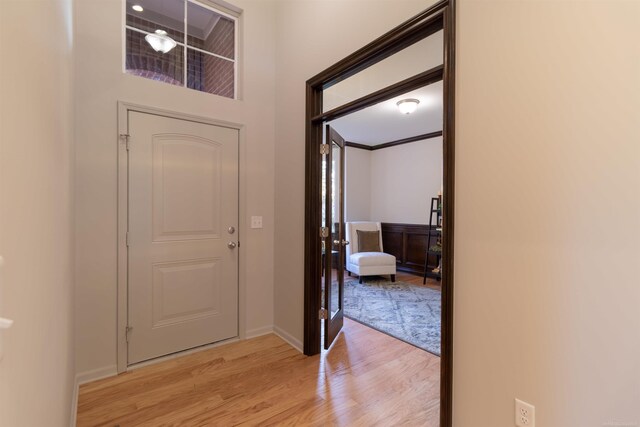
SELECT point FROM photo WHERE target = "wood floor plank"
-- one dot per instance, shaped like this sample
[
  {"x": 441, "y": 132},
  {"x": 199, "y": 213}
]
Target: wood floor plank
[{"x": 367, "y": 378}]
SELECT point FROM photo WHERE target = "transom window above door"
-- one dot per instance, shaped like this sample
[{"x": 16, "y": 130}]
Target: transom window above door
[{"x": 184, "y": 43}]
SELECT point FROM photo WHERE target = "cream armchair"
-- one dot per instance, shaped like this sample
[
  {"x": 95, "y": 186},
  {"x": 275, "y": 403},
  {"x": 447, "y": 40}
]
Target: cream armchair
[{"x": 368, "y": 263}]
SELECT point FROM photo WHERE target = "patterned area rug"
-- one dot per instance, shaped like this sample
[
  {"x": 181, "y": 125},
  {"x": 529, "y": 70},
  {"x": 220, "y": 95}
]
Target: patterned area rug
[{"x": 408, "y": 312}]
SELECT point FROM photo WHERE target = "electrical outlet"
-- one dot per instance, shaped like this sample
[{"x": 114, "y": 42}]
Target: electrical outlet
[
  {"x": 525, "y": 414},
  {"x": 256, "y": 222}
]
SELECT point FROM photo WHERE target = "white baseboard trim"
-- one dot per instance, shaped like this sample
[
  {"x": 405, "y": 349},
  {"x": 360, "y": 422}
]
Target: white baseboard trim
[
  {"x": 258, "y": 332},
  {"x": 96, "y": 374},
  {"x": 87, "y": 377},
  {"x": 294, "y": 342},
  {"x": 74, "y": 403}
]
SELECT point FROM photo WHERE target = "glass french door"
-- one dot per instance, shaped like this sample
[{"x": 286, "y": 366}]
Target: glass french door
[{"x": 333, "y": 242}]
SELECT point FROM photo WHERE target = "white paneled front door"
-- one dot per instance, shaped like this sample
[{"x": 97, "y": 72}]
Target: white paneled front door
[{"x": 183, "y": 221}]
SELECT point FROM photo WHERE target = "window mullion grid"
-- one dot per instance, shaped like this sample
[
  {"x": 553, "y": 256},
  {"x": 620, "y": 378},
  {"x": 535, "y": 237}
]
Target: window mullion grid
[
  {"x": 211, "y": 53},
  {"x": 186, "y": 43},
  {"x": 235, "y": 58},
  {"x": 128, "y": 27}
]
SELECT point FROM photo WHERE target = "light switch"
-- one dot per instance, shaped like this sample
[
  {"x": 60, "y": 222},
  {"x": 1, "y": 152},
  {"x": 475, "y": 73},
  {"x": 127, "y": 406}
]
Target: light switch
[{"x": 256, "y": 222}]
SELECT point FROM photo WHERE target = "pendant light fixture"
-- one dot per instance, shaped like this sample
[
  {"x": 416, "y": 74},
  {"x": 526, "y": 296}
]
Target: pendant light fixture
[{"x": 160, "y": 41}]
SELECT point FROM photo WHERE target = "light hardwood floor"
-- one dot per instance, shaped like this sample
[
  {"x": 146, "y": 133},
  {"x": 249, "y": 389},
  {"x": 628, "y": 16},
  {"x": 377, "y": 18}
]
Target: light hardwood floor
[{"x": 367, "y": 378}]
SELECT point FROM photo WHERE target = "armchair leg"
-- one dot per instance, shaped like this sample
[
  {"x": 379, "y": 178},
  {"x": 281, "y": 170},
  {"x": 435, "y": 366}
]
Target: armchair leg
[
  {"x": 360, "y": 279},
  {"x": 393, "y": 278},
  {"x": 349, "y": 273}
]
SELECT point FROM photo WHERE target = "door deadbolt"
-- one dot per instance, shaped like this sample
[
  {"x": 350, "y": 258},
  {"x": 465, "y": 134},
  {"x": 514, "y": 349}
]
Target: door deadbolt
[{"x": 231, "y": 230}]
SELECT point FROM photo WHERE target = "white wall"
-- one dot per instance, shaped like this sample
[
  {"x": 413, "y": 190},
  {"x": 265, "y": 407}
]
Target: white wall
[
  {"x": 311, "y": 36},
  {"x": 393, "y": 184},
  {"x": 357, "y": 184},
  {"x": 36, "y": 131},
  {"x": 547, "y": 213},
  {"x": 100, "y": 84},
  {"x": 404, "y": 178}
]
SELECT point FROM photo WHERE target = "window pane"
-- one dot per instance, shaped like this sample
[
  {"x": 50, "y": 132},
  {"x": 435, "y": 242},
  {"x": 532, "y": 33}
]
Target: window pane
[
  {"x": 210, "y": 31},
  {"x": 209, "y": 39},
  {"x": 167, "y": 15},
  {"x": 211, "y": 74},
  {"x": 143, "y": 61}
]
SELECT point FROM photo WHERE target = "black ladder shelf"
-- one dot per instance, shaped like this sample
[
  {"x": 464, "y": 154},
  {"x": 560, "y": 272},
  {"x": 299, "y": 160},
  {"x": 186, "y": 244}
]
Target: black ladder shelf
[{"x": 434, "y": 246}]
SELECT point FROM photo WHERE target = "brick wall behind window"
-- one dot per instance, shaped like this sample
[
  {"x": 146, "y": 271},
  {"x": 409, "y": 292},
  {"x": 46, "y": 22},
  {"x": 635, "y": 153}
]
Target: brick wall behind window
[{"x": 219, "y": 74}]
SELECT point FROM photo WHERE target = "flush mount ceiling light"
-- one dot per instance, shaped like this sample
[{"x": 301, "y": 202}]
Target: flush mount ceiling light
[
  {"x": 137, "y": 8},
  {"x": 408, "y": 106},
  {"x": 160, "y": 41}
]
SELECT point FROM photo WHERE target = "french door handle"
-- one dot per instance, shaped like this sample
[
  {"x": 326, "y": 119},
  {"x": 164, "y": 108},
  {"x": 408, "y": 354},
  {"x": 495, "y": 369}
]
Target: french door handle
[{"x": 343, "y": 243}]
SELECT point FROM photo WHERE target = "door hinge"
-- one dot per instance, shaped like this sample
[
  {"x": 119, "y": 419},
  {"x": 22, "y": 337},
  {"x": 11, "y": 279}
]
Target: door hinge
[
  {"x": 323, "y": 314},
  {"x": 125, "y": 139},
  {"x": 324, "y": 148},
  {"x": 324, "y": 231},
  {"x": 127, "y": 332},
  {"x": 126, "y": 238}
]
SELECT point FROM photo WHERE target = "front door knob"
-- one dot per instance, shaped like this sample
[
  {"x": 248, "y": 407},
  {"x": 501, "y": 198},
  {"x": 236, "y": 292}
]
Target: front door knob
[{"x": 231, "y": 245}]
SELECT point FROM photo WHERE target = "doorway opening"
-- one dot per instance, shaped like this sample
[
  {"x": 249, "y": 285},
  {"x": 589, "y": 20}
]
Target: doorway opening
[
  {"x": 334, "y": 98},
  {"x": 386, "y": 167}
]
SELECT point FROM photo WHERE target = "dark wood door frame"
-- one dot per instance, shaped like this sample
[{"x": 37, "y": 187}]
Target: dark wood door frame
[{"x": 440, "y": 16}]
